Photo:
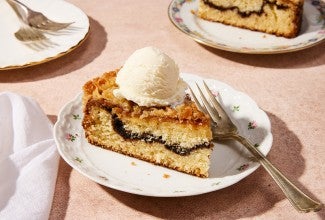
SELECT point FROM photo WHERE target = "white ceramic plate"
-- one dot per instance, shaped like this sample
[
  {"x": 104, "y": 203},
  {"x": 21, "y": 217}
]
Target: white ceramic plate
[
  {"x": 16, "y": 54},
  {"x": 230, "y": 162},
  {"x": 240, "y": 40}
]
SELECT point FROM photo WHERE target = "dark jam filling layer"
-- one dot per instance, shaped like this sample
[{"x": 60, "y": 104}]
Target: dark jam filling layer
[
  {"x": 119, "y": 128},
  {"x": 247, "y": 13}
]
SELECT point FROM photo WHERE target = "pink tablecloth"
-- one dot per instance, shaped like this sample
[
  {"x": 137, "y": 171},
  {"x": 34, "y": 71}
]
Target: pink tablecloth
[{"x": 289, "y": 87}]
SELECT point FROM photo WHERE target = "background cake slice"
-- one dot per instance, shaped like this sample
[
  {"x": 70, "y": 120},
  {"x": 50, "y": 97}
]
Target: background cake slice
[{"x": 278, "y": 17}]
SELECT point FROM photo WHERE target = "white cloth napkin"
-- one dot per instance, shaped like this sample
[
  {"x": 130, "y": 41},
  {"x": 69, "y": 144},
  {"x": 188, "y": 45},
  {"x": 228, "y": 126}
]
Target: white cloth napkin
[{"x": 28, "y": 159}]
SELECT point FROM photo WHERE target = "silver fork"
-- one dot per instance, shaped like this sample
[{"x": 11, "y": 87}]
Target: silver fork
[
  {"x": 25, "y": 32},
  {"x": 223, "y": 128},
  {"x": 36, "y": 19}
]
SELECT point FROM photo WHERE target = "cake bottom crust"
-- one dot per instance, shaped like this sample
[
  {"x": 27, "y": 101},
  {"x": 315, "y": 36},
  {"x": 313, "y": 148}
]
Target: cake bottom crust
[{"x": 99, "y": 131}]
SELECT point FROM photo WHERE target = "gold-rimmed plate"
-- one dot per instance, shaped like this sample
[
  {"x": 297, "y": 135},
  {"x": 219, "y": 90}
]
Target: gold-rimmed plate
[
  {"x": 224, "y": 37},
  {"x": 16, "y": 54}
]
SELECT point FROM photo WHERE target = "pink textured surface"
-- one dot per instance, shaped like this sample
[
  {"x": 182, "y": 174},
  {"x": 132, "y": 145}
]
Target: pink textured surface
[{"x": 289, "y": 87}]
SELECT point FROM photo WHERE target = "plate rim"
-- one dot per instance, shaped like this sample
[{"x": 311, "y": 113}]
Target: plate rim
[
  {"x": 231, "y": 49},
  {"x": 240, "y": 176},
  {"x": 58, "y": 55}
]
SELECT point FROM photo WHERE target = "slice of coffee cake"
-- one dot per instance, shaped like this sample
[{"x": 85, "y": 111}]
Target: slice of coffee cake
[
  {"x": 278, "y": 17},
  {"x": 177, "y": 137}
]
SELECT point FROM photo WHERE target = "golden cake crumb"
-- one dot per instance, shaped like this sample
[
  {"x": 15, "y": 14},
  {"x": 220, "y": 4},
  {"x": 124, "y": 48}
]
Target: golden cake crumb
[{"x": 166, "y": 176}]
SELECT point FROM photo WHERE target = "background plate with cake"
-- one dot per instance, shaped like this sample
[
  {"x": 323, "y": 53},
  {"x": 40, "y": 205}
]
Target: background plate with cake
[{"x": 187, "y": 17}]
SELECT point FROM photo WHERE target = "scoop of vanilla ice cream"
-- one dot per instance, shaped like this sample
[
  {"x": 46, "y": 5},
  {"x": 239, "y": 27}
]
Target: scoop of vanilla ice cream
[{"x": 149, "y": 77}]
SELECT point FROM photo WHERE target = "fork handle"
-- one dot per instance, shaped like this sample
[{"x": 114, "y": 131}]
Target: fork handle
[
  {"x": 20, "y": 3},
  {"x": 297, "y": 198}
]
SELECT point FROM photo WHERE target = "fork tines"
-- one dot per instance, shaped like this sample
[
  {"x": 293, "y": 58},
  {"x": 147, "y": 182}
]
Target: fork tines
[
  {"x": 209, "y": 105},
  {"x": 48, "y": 25}
]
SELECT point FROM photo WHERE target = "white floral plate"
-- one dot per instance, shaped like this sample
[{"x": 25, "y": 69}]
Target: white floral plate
[
  {"x": 16, "y": 54},
  {"x": 230, "y": 162},
  {"x": 240, "y": 40}
]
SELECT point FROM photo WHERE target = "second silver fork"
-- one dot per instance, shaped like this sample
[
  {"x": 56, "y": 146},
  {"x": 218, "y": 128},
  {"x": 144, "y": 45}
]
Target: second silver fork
[
  {"x": 223, "y": 128},
  {"x": 37, "y": 19},
  {"x": 25, "y": 32},
  {"x": 31, "y": 37}
]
